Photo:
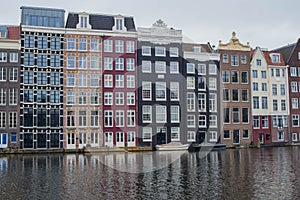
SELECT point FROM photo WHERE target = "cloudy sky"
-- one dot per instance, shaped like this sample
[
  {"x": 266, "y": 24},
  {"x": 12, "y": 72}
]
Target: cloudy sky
[{"x": 265, "y": 23}]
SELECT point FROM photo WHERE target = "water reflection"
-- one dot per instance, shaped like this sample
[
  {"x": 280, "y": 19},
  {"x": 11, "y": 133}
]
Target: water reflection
[{"x": 232, "y": 174}]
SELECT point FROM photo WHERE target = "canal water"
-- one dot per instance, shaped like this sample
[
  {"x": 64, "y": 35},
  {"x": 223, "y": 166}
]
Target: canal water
[{"x": 267, "y": 173}]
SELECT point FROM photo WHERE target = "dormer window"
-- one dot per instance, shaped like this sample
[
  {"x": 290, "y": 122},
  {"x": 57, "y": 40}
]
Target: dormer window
[
  {"x": 197, "y": 49},
  {"x": 83, "y": 21},
  {"x": 2, "y": 34},
  {"x": 275, "y": 58},
  {"x": 119, "y": 23}
]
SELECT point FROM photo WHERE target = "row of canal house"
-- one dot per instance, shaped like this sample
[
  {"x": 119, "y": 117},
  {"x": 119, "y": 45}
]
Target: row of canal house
[{"x": 97, "y": 80}]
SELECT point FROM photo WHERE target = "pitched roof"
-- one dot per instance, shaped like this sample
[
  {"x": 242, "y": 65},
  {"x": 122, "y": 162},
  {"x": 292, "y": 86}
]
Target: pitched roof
[
  {"x": 269, "y": 61},
  {"x": 286, "y": 51},
  {"x": 100, "y": 22},
  {"x": 205, "y": 48}
]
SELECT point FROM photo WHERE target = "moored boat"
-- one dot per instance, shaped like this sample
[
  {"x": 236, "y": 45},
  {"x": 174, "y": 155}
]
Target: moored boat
[{"x": 172, "y": 146}]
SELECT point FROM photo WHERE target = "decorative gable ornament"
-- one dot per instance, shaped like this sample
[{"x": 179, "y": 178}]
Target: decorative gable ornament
[{"x": 234, "y": 44}]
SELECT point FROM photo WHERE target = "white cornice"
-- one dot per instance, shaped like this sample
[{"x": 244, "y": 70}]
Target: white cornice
[
  {"x": 201, "y": 56},
  {"x": 10, "y": 44},
  {"x": 160, "y": 35}
]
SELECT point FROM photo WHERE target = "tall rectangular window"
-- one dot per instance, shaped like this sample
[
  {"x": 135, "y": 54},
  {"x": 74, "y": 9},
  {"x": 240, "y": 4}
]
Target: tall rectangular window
[
  {"x": 255, "y": 102},
  {"x": 160, "y": 91},
  {"x": 41, "y": 117},
  {"x": 54, "y": 118},
  {"x": 94, "y": 98},
  {"x": 70, "y": 98},
  {"x": 70, "y": 118},
  {"x": 201, "y": 102},
  {"x": 130, "y": 64},
  {"x": 82, "y": 118},
  {"x": 119, "y": 63},
  {"x": 130, "y": 46},
  {"x": 54, "y": 96},
  {"x": 201, "y": 83},
  {"x": 130, "y": 81},
  {"x": 108, "y": 63},
  {"x": 71, "y": 46},
  {"x": 212, "y": 102},
  {"x": 274, "y": 89},
  {"x": 244, "y": 77},
  {"x": 119, "y": 98},
  {"x": 226, "y": 115},
  {"x": 235, "y": 115},
  {"x": 202, "y": 121},
  {"x": 70, "y": 80},
  {"x": 82, "y": 44},
  {"x": 94, "y": 118},
  {"x": 13, "y": 120},
  {"x": 94, "y": 80},
  {"x": 161, "y": 114},
  {"x": 173, "y": 51},
  {"x": 234, "y": 60},
  {"x": 94, "y": 62},
  {"x": 146, "y": 90},
  {"x": 108, "y": 80},
  {"x": 264, "y": 102},
  {"x": 82, "y": 96},
  {"x": 94, "y": 44},
  {"x": 119, "y": 118},
  {"x": 119, "y": 80},
  {"x": 147, "y": 114},
  {"x": 190, "y": 82},
  {"x": 190, "y": 102},
  {"x": 190, "y": 68},
  {"x": 13, "y": 57},
  {"x": 108, "y": 45},
  {"x": 201, "y": 69},
  {"x": 71, "y": 62},
  {"x": 234, "y": 77},
  {"x": 174, "y": 114},
  {"x": 82, "y": 62},
  {"x": 225, "y": 76},
  {"x": 130, "y": 118},
  {"x": 55, "y": 43},
  {"x": 130, "y": 98},
  {"x": 245, "y": 115},
  {"x": 2, "y": 120},
  {"x": 108, "y": 98},
  {"x": 174, "y": 67},
  {"x": 175, "y": 134},
  {"x": 82, "y": 80},
  {"x": 146, "y": 51},
  {"x": 174, "y": 91},
  {"x": 256, "y": 123},
  {"x": 119, "y": 46},
  {"x": 13, "y": 96}
]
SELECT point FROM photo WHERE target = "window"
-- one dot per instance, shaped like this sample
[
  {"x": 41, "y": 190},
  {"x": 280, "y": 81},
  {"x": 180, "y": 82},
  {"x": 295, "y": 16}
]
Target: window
[
  {"x": 201, "y": 69},
  {"x": 272, "y": 72},
  {"x": 201, "y": 101},
  {"x": 55, "y": 61},
  {"x": 175, "y": 135},
  {"x": 55, "y": 43},
  {"x": 234, "y": 60},
  {"x": 243, "y": 59},
  {"x": 147, "y": 134},
  {"x": 191, "y": 121},
  {"x": 130, "y": 98},
  {"x": 119, "y": 24},
  {"x": 108, "y": 118},
  {"x": 174, "y": 91},
  {"x": 54, "y": 118},
  {"x": 254, "y": 74},
  {"x": 13, "y": 74},
  {"x": 212, "y": 102},
  {"x": 108, "y": 63},
  {"x": 280, "y": 136},
  {"x": 275, "y": 58},
  {"x": 225, "y": 58},
  {"x": 94, "y": 80},
  {"x": 212, "y": 84},
  {"x": 82, "y": 44},
  {"x": 201, "y": 83},
  {"x": 28, "y": 77},
  {"x": 28, "y": 59},
  {"x": 12, "y": 120},
  {"x": 225, "y": 76},
  {"x": 274, "y": 89},
  {"x": 258, "y": 62},
  {"x": 190, "y": 81},
  {"x": 298, "y": 71},
  {"x": 28, "y": 96},
  {"x": 234, "y": 77},
  {"x": 82, "y": 62},
  {"x": 244, "y": 95},
  {"x": 94, "y": 98},
  {"x": 173, "y": 51},
  {"x": 283, "y": 105},
  {"x": 202, "y": 121},
  {"x": 235, "y": 115},
  {"x": 94, "y": 138},
  {"x": 160, "y": 51},
  {"x": 256, "y": 122},
  {"x": 94, "y": 118},
  {"x": 264, "y": 87},
  {"x": 277, "y": 73},
  {"x": 213, "y": 137},
  {"x": 295, "y": 137},
  {"x": 71, "y": 80},
  {"x": 226, "y": 115},
  {"x": 119, "y": 63},
  {"x": 82, "y": 80},
  {"x": 147, "y": 114},
  {"x": 160, "y": 90},
  {"x": 295, "y": 119},
  {"x": 119, "y": 46},
  {"x": 29, "y": 41},
  {"x": 174, "y": 67},
  {"x": 119, "y": 98},
  {"x": 94, "y": 44},
  {"x": 146, "y": 90},
  {"x": 191, "y": 136},
  {"x": 146, "y": 51},
  {"x": 13, "y": 137},
  {"x": 263, "y": 74},
  {"x": 94, "y": 62},
  {"x": 161, "y": 114},
  {"x": 190, "y": 102},
  {"x": 130, "y": 46},
  {"x": 190, "y": 68},
  {"x": 226, "y": 134},
  {"x": 275, "y": 121},
  {"x": 295, "y": 104},
  {"x": 70, "y": 118},
  {"x": 130, "y": 64},
  {"x": 54, "y": 96},
  {"x": 160, "y": 67},
  {"x": 146, "y": 66},
  {"x": 42, "y": 43},
  {"x": 212, "y": 68},
  {"x": 41, "y": 117},
  {"x": 42, "y": 78},
  {"x": 28, "y": 117},
  {"x": 70, "y": 98},
  {"x": 213, "y": 121},
  {"x": 245, "y": 134},
  {"x": 265, "y": 122},
  {"x": 175, "y": 114},
  {"x": 119, "y": 81},
  {"x": 13, "y": 57},
  {"x": 282, "y": 89},
  {"x": 71, "y": 63},
  {"x": 42, "y": 60},
  {"x": 108, "y": 80},
  {"x": 82, "y": 98},
  {"x": 235, "y": 95},
  {"x": 13, "y": 96},
  {"x": 294, "y": 86},
  {"x": 130, "y": 118},
  {"x": 108, "y": 98},
  {"x": 244, "y": 77},
  {"x": 245, "y": 115},
  {"x": 226, "y": 95},
  {"x": 71, "y": 44},
  {"x": 83, "y": 21},
  {"x": 41, "y": 96},
  {"x": 82, "y": 118},
  {"x": 275, "y": 105},
  {"x": 255, "y": 102},
  {"x": 264, "y": 102},
  {"x": 108, "y": 45}
]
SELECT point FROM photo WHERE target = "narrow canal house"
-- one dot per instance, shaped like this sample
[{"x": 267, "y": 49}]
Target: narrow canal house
[
  {"x": 202, "y": 93},
  {"x": 41, "y": 78},
  {"x": 161, "y": 87},
  {"x": 82, "y": 82},
  {"x": 104, "y": 80},
  {"x": 9, "y": 85},
  {"x": 291, "y": 56},
  {"x": 236, "y": 86},
  {"x": 270, "y": 98}
]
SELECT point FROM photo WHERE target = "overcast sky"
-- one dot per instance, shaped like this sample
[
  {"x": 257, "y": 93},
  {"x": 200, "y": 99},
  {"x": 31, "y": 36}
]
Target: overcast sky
[{"x": 265, "y": 23}]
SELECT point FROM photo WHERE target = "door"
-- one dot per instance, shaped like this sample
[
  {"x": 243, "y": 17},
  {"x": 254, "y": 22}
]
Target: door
[
  {"x": 261, "y": 138},
  {"x": 161, "y": 136},
  {"x": 71, "y": 141},
  {"x": 120, "y": 139},
  {"x": 109, "y": 142},
  {"x": 236, "y": 136},
  {"x": 131, "y": 139},
  {"x": 3, "y": 140},
  {"x": 201, "y": 136}
]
